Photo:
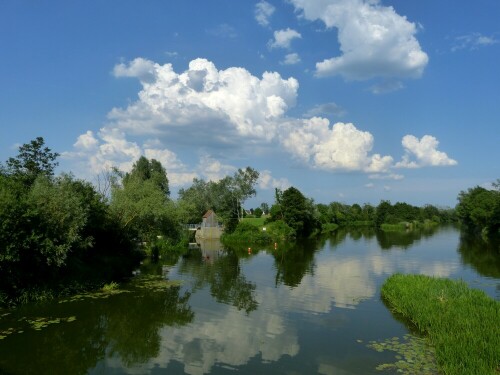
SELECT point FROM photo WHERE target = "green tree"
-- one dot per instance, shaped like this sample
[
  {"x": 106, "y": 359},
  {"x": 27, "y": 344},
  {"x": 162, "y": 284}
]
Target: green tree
[
  {"x": 32, "y": 161},
  {"x": 479, "y": 209},
  {"x": 152, "y": 170},
  {"x": 299, "y": 212},
  {"x": 257, "y": 212},
  {"x": 383, "y": 213},
  {"x": 48, "y": 226},
  {"x": 143, "y": 209}
]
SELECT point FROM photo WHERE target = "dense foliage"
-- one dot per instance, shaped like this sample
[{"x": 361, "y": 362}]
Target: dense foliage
[
  {"x": 479, "y": 209},
  {"x": 55, "y": 232},
  {"x": 296, "y": 211}
]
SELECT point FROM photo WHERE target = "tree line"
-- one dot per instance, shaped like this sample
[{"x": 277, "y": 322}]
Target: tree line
[{"x": 62, "y": 233}]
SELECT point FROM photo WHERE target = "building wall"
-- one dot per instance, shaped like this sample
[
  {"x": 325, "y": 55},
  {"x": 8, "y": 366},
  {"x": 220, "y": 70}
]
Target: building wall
[{"x": 208, "y": 232}]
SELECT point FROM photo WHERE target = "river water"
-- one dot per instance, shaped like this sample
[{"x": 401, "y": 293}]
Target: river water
[{"x": 309, "y": 308}]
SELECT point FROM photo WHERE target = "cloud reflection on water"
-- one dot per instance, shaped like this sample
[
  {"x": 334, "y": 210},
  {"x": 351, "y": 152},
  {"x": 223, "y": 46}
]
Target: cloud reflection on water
[{"x": 343, "y": 277}]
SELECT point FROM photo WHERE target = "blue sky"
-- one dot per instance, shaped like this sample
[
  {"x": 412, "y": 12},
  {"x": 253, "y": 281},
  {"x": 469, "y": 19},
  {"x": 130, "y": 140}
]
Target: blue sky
[{"x": 347, "y": 100}]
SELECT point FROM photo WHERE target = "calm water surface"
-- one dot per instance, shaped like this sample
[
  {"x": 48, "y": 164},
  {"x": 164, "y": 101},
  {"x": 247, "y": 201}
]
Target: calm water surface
[{"x": 306, "y": 309}]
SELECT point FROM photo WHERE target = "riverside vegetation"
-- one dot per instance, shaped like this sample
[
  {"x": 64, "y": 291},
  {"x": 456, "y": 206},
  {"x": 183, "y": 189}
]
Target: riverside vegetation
[
  {"x": 60, "y": 235},
  {"x": 463, "y": 324}
]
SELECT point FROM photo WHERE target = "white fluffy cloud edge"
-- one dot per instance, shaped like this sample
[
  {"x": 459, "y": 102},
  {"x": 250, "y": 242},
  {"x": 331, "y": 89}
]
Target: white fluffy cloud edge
[
  {"x": 374, "y": 40},
  {"x": 206, "y": 108}
]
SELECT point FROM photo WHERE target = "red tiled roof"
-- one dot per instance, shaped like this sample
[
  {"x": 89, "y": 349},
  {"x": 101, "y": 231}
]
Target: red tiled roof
[{"x": 208, "y": 213}]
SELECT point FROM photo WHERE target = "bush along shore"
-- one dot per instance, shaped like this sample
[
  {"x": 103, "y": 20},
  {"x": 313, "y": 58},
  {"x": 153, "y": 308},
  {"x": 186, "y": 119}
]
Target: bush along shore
[{"x": 463, "y": 324}]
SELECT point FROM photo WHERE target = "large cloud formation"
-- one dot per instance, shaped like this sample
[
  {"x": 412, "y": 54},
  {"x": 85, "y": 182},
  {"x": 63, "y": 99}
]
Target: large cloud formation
[
  {"x": 374, "y": 40},
  {"x": 210, "y": 109}
]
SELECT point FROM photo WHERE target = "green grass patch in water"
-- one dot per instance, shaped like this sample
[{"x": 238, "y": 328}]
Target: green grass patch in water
[{"x": 462, "y": 324}]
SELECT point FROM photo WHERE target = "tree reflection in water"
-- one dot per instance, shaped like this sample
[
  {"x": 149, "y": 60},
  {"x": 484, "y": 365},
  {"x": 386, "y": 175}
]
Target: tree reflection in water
[
  {"x": 124, "y": 326},
  {"x": 403, "y": 239},
  {"x": 221, "y": 271},
  {"x": 293, "y": 262},
  {"x": 133, "y": 325},
  {"x": 483, "y": 256}
]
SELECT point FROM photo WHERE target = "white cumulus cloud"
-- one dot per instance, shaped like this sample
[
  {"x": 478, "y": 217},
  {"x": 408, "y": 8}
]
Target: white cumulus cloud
[
  {"x": 374, "y": 40},
  {"x": 342, "y": 147},
  {"x": 224, "y": 113},
  {"x": 283, "y": 38},
  {"x": 214, "y": 105},
  {"x": 423, "y": 152}
]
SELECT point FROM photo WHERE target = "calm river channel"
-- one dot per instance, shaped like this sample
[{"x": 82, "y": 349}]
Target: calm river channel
[{"x": 311, "y": 308}]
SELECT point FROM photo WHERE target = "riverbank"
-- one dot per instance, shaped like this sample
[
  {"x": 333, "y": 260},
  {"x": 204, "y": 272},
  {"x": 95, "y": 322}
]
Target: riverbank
[
  {"x": 463, "y": 324},
  {"x": 78, "y": 278}
]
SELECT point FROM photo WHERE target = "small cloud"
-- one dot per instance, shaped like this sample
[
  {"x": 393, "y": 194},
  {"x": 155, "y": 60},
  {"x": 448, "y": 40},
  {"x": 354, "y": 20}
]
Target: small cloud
[
  {"x": 267, "y": 181},
  {"x": 473, "y": 41},
  {"x": 171, "y": 54},
  {"x": 291, "y": 59},
  {"x": 425, "y": 152},
  {"x": 386, "y": 87},
  {"x": 213, "y": 169},
  {"x": 325, "y": 109},
  {"x": 223, "y": 31},
  {"x": 283, "y": 38},
  {"x": 263, "y": 11},
  {"x": 387, "y": 188},
  {"x": 388, "y": 176},
  {"x": 140, "y": 68},
  {"x": 370, "y": 185}
]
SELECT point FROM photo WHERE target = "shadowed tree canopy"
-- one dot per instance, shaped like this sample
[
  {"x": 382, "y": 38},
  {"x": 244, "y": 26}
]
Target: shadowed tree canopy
[
  {"x": 298, "y": 212},
  {"x": 32, "y": 161}
]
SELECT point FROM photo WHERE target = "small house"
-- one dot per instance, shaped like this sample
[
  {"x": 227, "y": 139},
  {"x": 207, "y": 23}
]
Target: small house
[
  {"x": 209, "y": 228},
  {"x": 209, "y": 220}
]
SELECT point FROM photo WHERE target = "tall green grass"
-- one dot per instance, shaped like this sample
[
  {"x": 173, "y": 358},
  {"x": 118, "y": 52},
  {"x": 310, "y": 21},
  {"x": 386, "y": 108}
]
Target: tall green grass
[
  {"x": 462, "y": 323},
  {"x": 256, "y": 221}
]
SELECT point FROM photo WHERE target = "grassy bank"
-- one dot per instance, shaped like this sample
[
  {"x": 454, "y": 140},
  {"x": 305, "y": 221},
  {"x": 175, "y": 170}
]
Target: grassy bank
[
  {"x": 248, "y": 232},
  {"x": 256, "y": 221},
  {"x": 462, "y": 323},
  {"x": 405, "y": 225}
]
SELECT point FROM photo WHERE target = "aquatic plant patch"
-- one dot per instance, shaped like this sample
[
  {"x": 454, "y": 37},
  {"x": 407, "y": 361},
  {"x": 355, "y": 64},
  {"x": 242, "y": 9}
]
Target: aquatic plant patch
[
  {"x": 100, "y": 294},
  {"x": 154, "y": 283},
  {"x": 37, "y": 324},
  {"x": 414, "y": 355},
  {"x": 463, "y": 324}
]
